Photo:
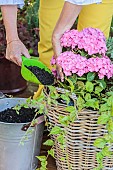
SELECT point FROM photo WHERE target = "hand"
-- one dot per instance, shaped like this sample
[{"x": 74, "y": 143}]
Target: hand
[
  {"x": 15, "y": 49},
  {"x": 57, "y": 50}
]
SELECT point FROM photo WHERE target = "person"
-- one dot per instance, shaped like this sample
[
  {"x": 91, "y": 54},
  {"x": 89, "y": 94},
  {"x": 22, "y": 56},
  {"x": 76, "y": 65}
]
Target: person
[{"x": 93, "y": 13}]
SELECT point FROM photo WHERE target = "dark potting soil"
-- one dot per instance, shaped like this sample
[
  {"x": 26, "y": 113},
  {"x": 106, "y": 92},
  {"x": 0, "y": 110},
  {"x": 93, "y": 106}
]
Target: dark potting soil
[
  {"x": 43, "y": 76},
  {"x": 10, "y": 115}
]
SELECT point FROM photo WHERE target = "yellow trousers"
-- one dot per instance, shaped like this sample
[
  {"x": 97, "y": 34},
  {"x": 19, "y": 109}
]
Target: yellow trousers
[{"x": 94, "y": 15}]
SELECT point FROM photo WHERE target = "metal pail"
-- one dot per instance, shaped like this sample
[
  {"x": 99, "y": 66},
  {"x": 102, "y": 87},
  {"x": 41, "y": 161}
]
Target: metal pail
[{"x": 13, "y": 155}]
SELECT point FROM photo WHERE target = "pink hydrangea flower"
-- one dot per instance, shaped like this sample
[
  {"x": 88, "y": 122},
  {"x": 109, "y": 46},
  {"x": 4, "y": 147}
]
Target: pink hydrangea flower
[
  {"x": 92, "y": 41},
  {"x": 77, "y": 64},
  {"x": 53, "y": 61}
]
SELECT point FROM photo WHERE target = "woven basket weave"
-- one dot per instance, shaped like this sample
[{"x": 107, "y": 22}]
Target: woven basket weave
[{"x": 80, "y": 137}]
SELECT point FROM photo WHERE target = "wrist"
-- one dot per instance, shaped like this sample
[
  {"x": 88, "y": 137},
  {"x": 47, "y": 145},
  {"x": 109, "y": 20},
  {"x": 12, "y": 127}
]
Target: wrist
[
  {"x": 8, "y": 42},
  {"x": 8, "y": 39},
  {"x": 11, "y": 36}
]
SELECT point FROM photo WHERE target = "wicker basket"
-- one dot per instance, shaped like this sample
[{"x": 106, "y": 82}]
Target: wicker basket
[{"x": 80, "y": 137}]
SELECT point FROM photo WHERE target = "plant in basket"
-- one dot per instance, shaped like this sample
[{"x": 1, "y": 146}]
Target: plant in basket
[{"x": 80, "y": 109}]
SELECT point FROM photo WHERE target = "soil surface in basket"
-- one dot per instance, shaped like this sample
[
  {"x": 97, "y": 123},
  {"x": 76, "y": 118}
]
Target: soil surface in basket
[
  {"x": 10, "y": 115},
  {"x": 43, "y": 76}
]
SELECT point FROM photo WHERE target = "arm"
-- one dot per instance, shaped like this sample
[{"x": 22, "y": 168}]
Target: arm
[
  {"x": 15, "y": 48},
  {"x": 67, "y": 18},
  {"x": 9, "y": 14}
]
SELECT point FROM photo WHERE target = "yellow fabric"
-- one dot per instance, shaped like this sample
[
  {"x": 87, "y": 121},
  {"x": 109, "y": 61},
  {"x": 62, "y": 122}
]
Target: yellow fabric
[
  {"x": 49, "y": 12},
  {"x": 37, "y": 94},
  {"x": 97, "y": 16}
]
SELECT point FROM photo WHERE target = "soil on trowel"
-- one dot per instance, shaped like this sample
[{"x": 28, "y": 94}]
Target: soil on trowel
[
  {"x": 43, "y": 76},
  {"x": 10, "y": 115}
]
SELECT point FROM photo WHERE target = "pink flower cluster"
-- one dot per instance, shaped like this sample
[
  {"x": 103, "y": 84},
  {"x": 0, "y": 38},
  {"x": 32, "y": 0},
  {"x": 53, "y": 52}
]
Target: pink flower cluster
[
  {"x": 90, "y": 39},
  {"x": 74, "y": 63}
]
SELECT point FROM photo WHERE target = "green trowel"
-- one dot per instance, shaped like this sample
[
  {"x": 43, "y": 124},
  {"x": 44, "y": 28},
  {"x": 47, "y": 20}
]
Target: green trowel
[{"x": 35, "y": 71}]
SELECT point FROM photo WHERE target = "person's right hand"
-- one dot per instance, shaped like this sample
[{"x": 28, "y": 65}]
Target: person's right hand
[
  {"x": 57, "y": 50},
  {"x": 15, "y": 49}
]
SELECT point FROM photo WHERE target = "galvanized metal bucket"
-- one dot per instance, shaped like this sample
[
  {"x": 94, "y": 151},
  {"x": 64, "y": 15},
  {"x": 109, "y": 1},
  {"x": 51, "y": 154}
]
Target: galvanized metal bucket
[{"x": 13, "y": 155}]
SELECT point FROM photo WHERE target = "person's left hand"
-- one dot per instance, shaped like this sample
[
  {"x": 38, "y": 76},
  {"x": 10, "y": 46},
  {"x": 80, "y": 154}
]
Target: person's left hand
[{"x": 57, "y": 50}]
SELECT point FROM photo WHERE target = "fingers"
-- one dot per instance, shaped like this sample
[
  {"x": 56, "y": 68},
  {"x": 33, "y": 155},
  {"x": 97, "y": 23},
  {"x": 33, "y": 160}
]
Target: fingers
[
  {"x": 26, "y": 53},
  {"x": 57, "y": 50},
  {"x": 14, "y": 57},
  {"x": 60, "y": 74}
]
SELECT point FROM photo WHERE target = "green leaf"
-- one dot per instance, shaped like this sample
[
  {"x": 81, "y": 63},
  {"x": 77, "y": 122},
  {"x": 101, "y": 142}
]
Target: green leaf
[
  {"x": 103, "y": 119},
  {"x": 93, "y": 103},
  {"x": 49, "y": 142},
  {"x": 70, "y": 108},
  {"x": 60, "y": 139},
  {"x": 80, "y": 84},
  {"x": 89, "y": 86},
  {"x": 51, "y": 152},
  {"x": 64, "y": 120},
  {"x": 106, "y": 151},
  {"x": 55, "y": 130},
  {"x": 87, "y": 96},
  {"x": 90, "y": 76},
  {"x": 109, "y": 137},
  {"x": 73, "y": 113},
  {"x": 73, "y": 78},
  {"x": 62, "y": 159},
  {"x": 110, "y": 101},
  {"x": 71, "y": 85},
  {"x": 97, "y": 168},
  {"x": 100, "y": 143},
  {"x": 80, "y": 102},
  {"x": 102, "y": 83},
  {"x": 111, "y": 113},
  {"x": 104, "y": 107},
  {"x": 52, "y": 89},
  {"x": 98, "y": 89},
  {"x": 110, "y": 93},
  {"x": 110, "y": 125},
  {"x": 43, "y": 165},
  {"x": 42, "y": 158},
  {"x": 73, "y": 116},
  {"x": 99, "y": 157},
  {"x": 65, "y": 98}
]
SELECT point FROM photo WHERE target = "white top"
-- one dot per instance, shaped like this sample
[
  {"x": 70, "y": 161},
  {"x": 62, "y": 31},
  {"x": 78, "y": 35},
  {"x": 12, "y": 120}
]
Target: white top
[
  {"x": 83, "y": 2},
  {"x": 20, "y": 3}
]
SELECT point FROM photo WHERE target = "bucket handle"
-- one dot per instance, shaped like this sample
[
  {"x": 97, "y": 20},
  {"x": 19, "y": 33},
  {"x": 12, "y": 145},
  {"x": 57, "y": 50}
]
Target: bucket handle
[{"x": 39, "y": 121}]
